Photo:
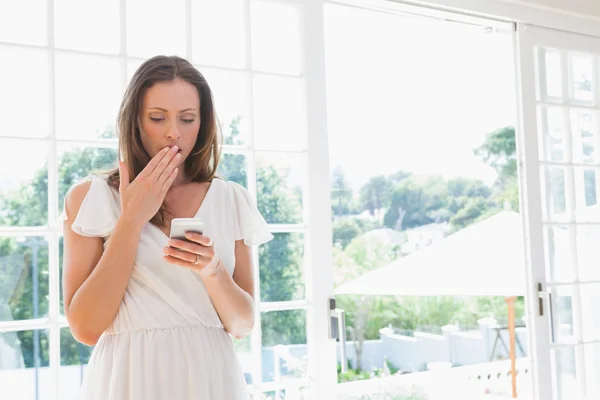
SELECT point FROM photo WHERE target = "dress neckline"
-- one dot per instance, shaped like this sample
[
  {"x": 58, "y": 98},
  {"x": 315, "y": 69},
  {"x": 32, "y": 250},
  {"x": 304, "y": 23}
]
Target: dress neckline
[{"x": 198, "y": 211}]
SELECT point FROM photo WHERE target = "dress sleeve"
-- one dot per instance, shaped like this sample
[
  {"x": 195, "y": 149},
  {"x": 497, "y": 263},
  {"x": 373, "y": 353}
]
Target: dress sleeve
[
  {"x": 249, "y": 223},
  {"x": 98, "y": 213}
]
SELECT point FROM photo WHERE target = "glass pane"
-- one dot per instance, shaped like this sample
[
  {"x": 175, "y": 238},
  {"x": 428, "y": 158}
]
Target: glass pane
[
  {"x": 132, "y": 66},
  {"x": 89, "y": 110},
  {"x": 592, "y": 368},
  {"x": 562, "y": 309},
  {"x": 567, "y": 377},
  {"x": 23, "y": 278},
  {"x": 88, "y": 31},
  {"x": 279, "y": 113},
  {"x": 582, "y": 78},
  {"x": 23, "y": 22},
  {"x": 586, "y": 194},
  {"x": 23, "y": 183},
  {"x": 588, "y": 252},
  {"x": 559, "y": 266},
  {"x": 555, "y": 204},
  {"x": 155, "y": 28},
  {"x": 243, "y": 349},
  {"x": 225, "y": 20},
  {"x": 24, "y": 364},
  {"x": 233, "y": 168},
  {"x": 24, "y": 95},
  {"x": 590, "y": 304},
  {"x": 280, "y": 183},
  {"x": 584, "y": 130},
  {"x": 74, "y": 357},
  {"x": 553, "y": 134},
  {"x": 553, "y": 73},
  {"x": 284, "y": 353},
  {"x": 276, "y": 37},
  {"x": 75, "y": 163},
  {"x": 282, "y": 268},
  {"x": 231, "y": 94}
]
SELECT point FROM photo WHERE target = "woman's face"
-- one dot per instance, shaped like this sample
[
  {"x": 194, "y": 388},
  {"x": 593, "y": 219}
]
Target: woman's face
[{"x": 170, "y": 116}]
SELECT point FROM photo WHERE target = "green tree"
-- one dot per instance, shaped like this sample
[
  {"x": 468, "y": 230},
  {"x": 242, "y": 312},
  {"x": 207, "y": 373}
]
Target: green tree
[
  {"x": 412, "y": 204},
  {"x": 475, "y": 209},
  {"x": 342, "y": 201},
  {"x": 344, "y": 230},
  {"x": 499, "y": 150},
  {"x": 375, "y": 194},
  {"x": 468, "y": 187}
]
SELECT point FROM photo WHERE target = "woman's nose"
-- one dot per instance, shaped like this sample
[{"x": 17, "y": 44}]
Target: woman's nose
[{"x": 173, "y": 132}]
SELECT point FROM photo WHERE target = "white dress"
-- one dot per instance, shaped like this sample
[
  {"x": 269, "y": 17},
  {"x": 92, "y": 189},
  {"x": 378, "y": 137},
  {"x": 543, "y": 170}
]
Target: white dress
[{"x": 167, "y": 341}]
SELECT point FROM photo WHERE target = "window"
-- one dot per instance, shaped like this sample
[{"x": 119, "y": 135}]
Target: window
[{"x": 61, "y": 92}]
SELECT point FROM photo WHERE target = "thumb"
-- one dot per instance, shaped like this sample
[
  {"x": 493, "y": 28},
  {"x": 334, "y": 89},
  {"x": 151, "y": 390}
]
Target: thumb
[{"x": 123, "y": 176}]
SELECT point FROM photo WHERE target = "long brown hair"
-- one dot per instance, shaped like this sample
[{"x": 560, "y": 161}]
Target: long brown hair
[{"x": 201, "y": 165}]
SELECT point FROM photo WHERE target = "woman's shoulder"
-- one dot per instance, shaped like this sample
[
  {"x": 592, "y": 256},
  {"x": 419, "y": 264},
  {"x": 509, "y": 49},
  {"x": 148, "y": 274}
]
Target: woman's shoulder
[
  {"x": 80, "y": 188},
  {"x": 249, "y": 225},
  {"x": 91, "y": 211}
]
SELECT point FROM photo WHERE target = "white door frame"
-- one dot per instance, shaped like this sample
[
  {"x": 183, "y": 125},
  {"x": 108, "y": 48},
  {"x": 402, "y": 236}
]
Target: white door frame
[
  {"x": 322, "y": 369},
  {"x": 530, "y": 73},
  {"x": 530, "y": 193},
  {"x": 502, "y": 10}
]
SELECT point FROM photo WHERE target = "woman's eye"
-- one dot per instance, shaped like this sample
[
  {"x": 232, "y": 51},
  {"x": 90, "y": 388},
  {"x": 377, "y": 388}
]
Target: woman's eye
[
  {"x": 188, "y": 121},
  {"x": 156, "y": 119}
]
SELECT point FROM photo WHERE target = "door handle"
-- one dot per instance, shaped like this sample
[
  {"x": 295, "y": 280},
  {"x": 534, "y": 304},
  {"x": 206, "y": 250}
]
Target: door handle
[
  {"x": 337, "y": 330},
  {"x": 546, "y": 295}
]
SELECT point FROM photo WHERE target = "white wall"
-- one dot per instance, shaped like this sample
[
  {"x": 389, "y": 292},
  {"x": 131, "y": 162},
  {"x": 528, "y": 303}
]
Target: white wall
[{"x": 586, "y": 7}]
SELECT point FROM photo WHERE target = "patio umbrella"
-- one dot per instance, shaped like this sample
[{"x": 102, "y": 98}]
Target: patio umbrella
[{"x": 484, "y": 259}]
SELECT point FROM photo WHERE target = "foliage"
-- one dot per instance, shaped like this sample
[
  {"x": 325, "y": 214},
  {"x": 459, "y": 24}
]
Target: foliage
[
  {"x": 342, "y": 202},
  {"x": 360, "y": 256},
  {"x": 499, "y": 150}
]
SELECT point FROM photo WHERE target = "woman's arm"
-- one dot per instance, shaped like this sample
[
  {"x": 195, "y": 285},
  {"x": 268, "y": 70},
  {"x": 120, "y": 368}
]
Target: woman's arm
[
  {"x": 94, "y": 281},
  {"x": 232, "y": 297}
]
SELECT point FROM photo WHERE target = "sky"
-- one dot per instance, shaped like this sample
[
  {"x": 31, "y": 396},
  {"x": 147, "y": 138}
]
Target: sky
[
  {"x": 407, "y": 93},
  {"x": 404, "y": 93}
]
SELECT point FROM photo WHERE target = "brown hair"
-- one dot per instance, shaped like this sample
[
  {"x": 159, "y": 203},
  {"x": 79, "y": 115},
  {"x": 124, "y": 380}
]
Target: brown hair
[{"x": 201, "y": 165}]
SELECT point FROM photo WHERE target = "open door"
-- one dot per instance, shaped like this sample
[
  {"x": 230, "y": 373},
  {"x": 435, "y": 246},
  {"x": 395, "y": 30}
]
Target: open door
[{"x": 559, "y": 167}]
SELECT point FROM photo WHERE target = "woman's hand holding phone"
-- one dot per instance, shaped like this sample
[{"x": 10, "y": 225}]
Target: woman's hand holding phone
[{"x": 196, "y": 252}]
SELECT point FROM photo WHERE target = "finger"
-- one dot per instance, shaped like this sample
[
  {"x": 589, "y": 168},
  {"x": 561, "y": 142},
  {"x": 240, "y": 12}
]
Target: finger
[
  {"x": 163, "y": 163},
  {"x": 188, "y": 246},
  {"x": 199, "y": 238},
  {"x": 170, "y": 167},
  {"x": 123, "y": 176},
  {"x": 183, "y": 263},
  {"x": 167, "y": 184},
  {"x": 184, "y": 255},
  {"x": 151, "y": 166}
]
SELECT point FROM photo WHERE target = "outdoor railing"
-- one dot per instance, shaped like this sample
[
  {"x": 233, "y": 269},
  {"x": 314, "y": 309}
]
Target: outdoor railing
[{"x": 480, "y": 379}]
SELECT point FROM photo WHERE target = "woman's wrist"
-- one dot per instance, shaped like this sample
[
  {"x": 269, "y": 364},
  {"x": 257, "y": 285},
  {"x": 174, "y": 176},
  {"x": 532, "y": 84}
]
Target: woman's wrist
[
  {"x": 212, "y": 270},
  {"x": 131, "y": 222}
]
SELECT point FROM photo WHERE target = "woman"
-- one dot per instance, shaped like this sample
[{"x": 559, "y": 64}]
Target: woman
[{"x": 160, "y": 312}]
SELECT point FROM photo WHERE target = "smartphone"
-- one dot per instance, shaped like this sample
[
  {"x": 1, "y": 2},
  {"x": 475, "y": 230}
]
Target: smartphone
[{"x": 180, "y": 226}]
